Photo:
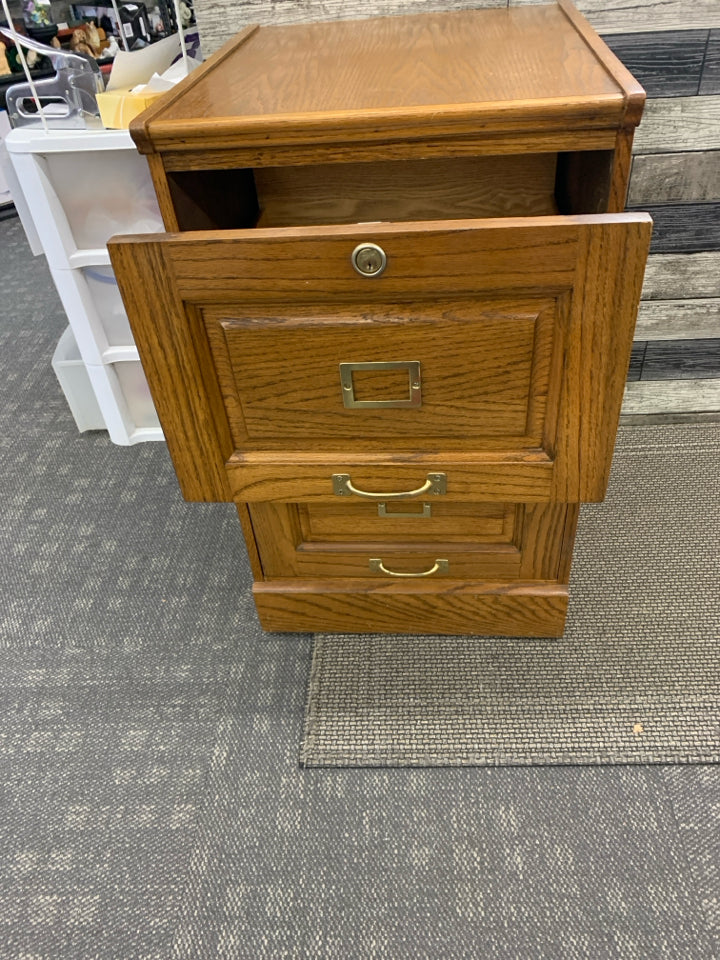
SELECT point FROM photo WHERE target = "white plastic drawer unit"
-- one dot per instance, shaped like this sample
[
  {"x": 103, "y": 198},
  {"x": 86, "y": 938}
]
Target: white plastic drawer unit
[
  {"x": 96, "y": 313},
  {"x": 81, "y": 188},
  {"x": 109, "y": 396},
  {"x": 74, "y": 190}
]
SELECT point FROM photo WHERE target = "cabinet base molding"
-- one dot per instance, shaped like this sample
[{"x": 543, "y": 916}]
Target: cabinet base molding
[{"x": 455, "y": 608}]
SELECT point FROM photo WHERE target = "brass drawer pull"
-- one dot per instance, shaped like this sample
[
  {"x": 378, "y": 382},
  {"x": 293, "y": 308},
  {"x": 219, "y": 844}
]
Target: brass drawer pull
[
  {"x": 440, "y": 566},
  {"x": 342, "y": 487}
]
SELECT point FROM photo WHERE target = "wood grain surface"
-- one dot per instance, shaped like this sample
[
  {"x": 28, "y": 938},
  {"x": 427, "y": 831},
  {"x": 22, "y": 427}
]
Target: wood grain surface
[
  {"x": 484, "y": 369},
  {"x": 678, "y": 319},
  {"x": 400, "y": 77},
  {"x": 710, "y": 82},
  {"x": 675, "y": 178},
  {"x": 410, "y": 190},
  {"x": 646, "y": 397},
  {"x": 369, "y": 144},
  {"x": 625, "y": 16},
  {"x": 679, "y": 124},
  {"x": 531, "y": 552},
  {"x": 522, "y": 322},
  {"x": 265, "y": 476},
  {"x": 176, "y": 361},
  {"x": 694, "y": 359},
  {"x": 598, "y": 258},
  {"x": 677, "y": 276},
  {"x": 598, "y": 357},
  {"x": 685, "y": 227},
  {"x": 636, "y": 361},
  {"x": 405, "y": 521},
  {"x": 456, "y": 608},
  {"x": 218, "y": 19},
  {"x": 667, "y": 64}
]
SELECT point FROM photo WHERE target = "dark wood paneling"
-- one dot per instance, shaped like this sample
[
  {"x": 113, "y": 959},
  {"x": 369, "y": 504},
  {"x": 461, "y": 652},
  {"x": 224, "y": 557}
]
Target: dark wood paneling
[
  {"x": 667, "y": 64},
  {"x": 685, "y": 227},
  {"x": 636, "y": 361},
  {"x": 710, "y": 82},
  {"x": 681, "y": 360}
]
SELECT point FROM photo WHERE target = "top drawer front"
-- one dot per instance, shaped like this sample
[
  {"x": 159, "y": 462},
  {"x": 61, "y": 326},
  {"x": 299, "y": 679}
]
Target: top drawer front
[
  {"x": 215, "y": 317},
  {"x": 470, "y": 373}
]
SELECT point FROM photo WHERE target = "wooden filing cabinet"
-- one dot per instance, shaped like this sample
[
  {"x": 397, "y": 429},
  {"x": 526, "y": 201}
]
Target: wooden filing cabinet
[{"x": 392, "y": 315}]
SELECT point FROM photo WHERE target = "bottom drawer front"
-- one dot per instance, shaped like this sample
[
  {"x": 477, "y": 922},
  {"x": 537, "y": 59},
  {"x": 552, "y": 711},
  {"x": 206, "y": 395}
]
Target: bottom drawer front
[
  {"x": 436, "y": 562},
  {"x": 503, "y": 542},
  {"x": 528, "y": 610}
]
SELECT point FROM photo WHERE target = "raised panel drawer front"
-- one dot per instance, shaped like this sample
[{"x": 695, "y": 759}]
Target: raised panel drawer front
[
  {"x": 493, "y": 352},
  {"x": 474, "y": 542}
]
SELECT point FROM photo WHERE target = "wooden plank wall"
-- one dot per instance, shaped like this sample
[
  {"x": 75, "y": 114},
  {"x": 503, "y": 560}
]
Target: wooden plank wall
[
  {"x": 673, "y": 48},
  {"x": 676, "y": 178}
]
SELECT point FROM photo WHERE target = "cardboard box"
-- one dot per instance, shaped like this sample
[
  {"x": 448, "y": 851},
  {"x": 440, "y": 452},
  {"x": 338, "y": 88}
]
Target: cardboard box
[{"x": 119, "y": 107}]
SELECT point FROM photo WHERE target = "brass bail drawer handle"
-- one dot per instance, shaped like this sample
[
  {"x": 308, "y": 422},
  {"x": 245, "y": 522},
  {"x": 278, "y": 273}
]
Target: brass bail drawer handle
[
  {"x": 377, "y": 566},
  {"x": 343, "y": 487}
]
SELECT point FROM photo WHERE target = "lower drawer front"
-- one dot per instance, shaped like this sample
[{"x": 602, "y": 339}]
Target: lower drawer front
[{"x": 414, "y": 542}]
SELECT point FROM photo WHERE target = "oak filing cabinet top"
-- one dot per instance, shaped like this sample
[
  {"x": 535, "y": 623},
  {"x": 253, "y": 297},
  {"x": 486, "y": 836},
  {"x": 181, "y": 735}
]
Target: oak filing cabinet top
[{"x": 425, "y": 76}]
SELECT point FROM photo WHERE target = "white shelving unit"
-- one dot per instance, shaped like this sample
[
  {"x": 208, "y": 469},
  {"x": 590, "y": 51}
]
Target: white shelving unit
[{"x": 78, "y": 189}]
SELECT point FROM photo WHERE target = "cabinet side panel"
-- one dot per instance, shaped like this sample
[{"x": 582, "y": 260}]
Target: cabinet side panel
[
  {"x": 162, "y": 191},
  {"x": 173, "y": 349},
  {"x": 621, "y": 170}
]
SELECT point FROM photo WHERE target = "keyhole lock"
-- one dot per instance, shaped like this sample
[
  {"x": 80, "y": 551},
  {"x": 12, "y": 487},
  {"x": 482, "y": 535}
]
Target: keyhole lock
[{"x": 369, "y": 259}]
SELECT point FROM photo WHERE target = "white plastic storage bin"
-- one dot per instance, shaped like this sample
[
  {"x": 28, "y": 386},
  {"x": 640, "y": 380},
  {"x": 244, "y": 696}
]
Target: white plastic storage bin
[
  {"x": 124, "y": 398},
  {"x": 75, "y": 383},
  {"x": 110, "y": 396},
  {"x": 78, "y": 188},
  {"x": 96, "y": 313},
  {"x": 83, "y": 186},
  {"x": 103, "y": 194},
  {"x": 108, "y": 305}
]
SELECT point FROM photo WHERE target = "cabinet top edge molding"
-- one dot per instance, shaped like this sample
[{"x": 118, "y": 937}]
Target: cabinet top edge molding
[{"x": 417, "y": 76}]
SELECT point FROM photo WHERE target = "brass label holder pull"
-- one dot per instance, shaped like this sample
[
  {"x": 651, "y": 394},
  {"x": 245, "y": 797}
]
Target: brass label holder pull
[
  {"x": 404, "y": 514},
  {"x": 411, "y": 367},
  {"x": 436, "y": 483},
  {"x": 377, "y": 566}
]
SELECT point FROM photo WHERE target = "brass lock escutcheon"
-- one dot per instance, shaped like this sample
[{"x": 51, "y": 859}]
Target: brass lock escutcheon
[{"x": 368, "y": 259}]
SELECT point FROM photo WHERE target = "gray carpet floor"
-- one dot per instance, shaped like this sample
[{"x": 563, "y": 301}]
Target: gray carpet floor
[{"x": 151, "y": 801}]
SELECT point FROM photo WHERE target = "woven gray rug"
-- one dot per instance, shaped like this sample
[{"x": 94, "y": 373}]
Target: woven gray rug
[{"x": 635, "y": 679}]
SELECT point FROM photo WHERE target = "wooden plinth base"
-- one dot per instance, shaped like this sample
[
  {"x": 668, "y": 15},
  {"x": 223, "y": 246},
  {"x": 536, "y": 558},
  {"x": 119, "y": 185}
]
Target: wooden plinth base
[{"x": 453, "y": 608}]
